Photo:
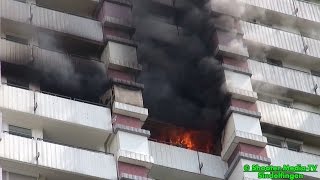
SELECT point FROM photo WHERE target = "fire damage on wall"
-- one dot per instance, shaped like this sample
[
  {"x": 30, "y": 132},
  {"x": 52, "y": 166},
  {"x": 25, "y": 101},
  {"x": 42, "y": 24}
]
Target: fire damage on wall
[{"x": 183, "y": 82}]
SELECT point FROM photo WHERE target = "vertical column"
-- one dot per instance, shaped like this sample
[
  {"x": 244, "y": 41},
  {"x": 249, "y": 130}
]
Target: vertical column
[
  {"x": 242, "y": 139},
  {"x": 129, "y": 141}
]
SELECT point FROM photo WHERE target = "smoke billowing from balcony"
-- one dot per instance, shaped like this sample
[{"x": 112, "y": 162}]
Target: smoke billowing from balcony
[{"x": 183, "y": 81}]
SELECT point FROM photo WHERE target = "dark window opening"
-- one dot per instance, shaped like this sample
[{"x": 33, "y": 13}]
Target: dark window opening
[
  {"x": 274, "y": 62},
  {"x": 17, "y": 39},
  {"x": 274, "y": 142},
  {"x": 19, "y": 131},
  {"x": 294, "y": 146}
]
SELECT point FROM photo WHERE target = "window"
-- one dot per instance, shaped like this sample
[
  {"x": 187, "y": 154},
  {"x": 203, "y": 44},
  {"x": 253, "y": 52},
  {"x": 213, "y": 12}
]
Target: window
[
  {"x": 294, "y": 145},
  {"x": 17, "y": 82},
  {"x": 315, "y": 73},
  {"x": 19, "y": 131},
  {"x": 274, "y": 141},
  {"x": 274, "y": 62},
  {"x": 17, "y": 39},
  {"x": 285, "y": 103}
]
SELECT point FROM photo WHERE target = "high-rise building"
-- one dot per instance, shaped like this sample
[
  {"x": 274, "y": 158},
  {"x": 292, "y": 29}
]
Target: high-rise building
[{"x": 158, "y": 89}]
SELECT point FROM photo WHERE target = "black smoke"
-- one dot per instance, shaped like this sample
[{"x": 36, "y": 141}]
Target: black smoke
[{"x": 183, "y": 81}]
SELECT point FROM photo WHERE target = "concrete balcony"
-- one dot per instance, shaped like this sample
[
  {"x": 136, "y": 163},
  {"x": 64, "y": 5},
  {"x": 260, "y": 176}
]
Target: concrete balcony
[
  {"x": 61, "y": 119},
  {"x": 300, "y": 121},
  {"x": 281, "y": 156},
  {"x": 172, "y": 162},
  {"x": 242, "y": 127},
  {"x": 50, "y": 20},
  {"x": 14, "y": 53},
  {"x": 277, "y": 44},
  {"x": 66, "y": 23},
  {"x": 276, "y": 80},
  {"x": 15, "y": 11},
  {"x": 119, "y": 56},
  {"x": 72, "y": 160},
  {"x": 45, "y": 158},
  {"x": 296, "y": 13},
  {"x": 84, "y": 8}
]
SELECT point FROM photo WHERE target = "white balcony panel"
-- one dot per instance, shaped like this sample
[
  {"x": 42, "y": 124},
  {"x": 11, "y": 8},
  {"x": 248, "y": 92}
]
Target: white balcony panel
[
  {"x": 284, "y": 77},
  {"x": 14, "y": 10},
  {"x": 281, "y": 156},
  {"x": 73, "y": 111},
  {"x": 18, "y": 148},
  {"x": 308, "y": 10},
  {"x": 77, "y": 160},
  {"x": 313, "y": 46},
  {"x": 117, "y": 54},
  {"x": 213, "y": 166},
  {"x": 293, "y": 119},
  {"x": 15, "y": 53},
  {"x": 66, "y": 23},
  {"x": 174, "y": 157},
  {"x": 272, "y": 37},
  {"x": 16, "y": 99},
  {"x": 282, "y": 6}
]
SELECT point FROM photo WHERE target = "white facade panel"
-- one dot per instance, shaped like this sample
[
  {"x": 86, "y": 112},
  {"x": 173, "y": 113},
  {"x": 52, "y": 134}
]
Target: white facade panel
[
  {"x": 285, "y": 77},
  {"x": 308, "y": 10},
  {"x": 282, "y": 6},
  {"x": 18, "y": 148},
  {"x": 73, "y": 111},
  {"x": 213, "y": 166},
  {"x": 122, "y": 55},
  {"x": 247, "y": 124},
  {"x": 77, "y": 160},
  {"x": 294, "y": 119},
  {"x": 16, "y": 99},
  {"x": 14, "y": 52},
  {"x": 66, "y": 23},
  {"x": 15, "y": 10},
  {"x": 313, "y": 46},
  {"x": 133, "y": 143},
  {"x": 237, "y": 80},
  {"x": 272, "y": 37},
  {"x": 281, "y": 156},
  {"x": 174, "y": 157}
]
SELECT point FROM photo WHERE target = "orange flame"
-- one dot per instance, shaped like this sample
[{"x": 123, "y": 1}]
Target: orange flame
[{"x": 190, "y": 139}]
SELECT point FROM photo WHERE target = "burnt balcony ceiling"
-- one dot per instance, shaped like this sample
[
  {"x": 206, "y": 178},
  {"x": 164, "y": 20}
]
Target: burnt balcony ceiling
[
  {"x": 85, "y": 8},
  {"x": 180, "y": 136},
  {"x": 70, "y": 45}
]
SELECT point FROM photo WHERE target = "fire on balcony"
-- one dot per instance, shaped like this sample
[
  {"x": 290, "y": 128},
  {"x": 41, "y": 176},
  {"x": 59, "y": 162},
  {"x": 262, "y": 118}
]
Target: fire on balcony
[{"x": 197, "y": 140}]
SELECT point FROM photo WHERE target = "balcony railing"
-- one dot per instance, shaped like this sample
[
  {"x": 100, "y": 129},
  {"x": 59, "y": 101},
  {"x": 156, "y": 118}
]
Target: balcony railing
[
  {"x": 42, "y": 154},
  {"x": 282, "y": 6},
  {"x": 66, "y": 23},
  {"x": 54, "y": 107},
  {"x": 284, "y": 77},
  {"x": 272, "y": 37},
  {"x": 307, "y": 10},
  {"x": 295, "y": 8},
  {"x": 14, "y": 52},
  {"x": 185, "y": 161},
  {"x": 289, "y": 118},
  {"x": 51, "y": 20},
  {"x": 14, "y": 10},
  {"x": 281, "y": 156},
  {"x": 76, "y": 160}
]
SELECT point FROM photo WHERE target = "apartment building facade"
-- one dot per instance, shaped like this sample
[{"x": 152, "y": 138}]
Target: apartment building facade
[{"x": 269, "y": 50}]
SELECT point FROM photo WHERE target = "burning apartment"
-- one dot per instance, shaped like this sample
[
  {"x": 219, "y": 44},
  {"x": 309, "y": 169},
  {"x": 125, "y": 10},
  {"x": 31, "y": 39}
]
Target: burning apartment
[{"x": 157, "y": 89}]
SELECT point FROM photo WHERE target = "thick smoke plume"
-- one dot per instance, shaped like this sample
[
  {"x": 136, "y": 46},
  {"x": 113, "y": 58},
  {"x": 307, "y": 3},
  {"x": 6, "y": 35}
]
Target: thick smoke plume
[{"x": 183, "y": 81}]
